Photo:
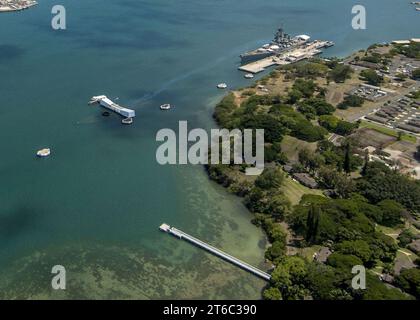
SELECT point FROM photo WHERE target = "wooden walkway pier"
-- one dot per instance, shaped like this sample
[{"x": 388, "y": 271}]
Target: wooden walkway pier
[{"x": 182, "y": 235}]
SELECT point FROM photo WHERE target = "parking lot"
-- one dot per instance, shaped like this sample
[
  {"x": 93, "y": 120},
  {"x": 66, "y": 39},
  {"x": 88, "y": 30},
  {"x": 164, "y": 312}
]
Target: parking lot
[
  {"x": 403, "y": 65},
  {"x": 402, "y": 113},
  {"x": 368, "y": 92}
]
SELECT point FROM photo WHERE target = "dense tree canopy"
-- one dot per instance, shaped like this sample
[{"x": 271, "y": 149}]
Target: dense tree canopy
[
  {"x": 409, "y": 280},
  {"x": 352, "y": 101},
  {"x": 273, "y": 129},
  {"x": 416, "y": 74},
  {"x": 270, "y": 178},
  {"x": 344, "y": 222},
  {"x": 340, "y": 73},
  {"x": 376, "y": 290},
  {"x": 306, "y": 87},
  {"x": 381, "y": 183},
  {"x": 333, "y": 124},
  {"x": 372, "y": 77},
  {"x": 411, "y": 51},
  {"x": 362, "y": 196}
]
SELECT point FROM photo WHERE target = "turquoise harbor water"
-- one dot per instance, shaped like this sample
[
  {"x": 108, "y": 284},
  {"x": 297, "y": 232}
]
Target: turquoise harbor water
[{"x": 95, "y": 205}]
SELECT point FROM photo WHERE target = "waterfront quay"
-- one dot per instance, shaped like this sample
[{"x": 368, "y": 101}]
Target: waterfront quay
[
  {"x": 16, "y": 5},
  {"x": 300, "y": 53}
]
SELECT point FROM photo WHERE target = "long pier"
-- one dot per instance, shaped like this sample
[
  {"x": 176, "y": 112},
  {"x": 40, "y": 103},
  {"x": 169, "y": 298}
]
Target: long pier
[
  {"x": 288, "y": 57},
  {"x": 182, "y": 235},
  {"x": 16, "y": 5}
]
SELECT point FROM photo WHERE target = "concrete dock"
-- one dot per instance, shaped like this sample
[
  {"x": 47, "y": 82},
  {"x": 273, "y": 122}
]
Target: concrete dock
[
  {"x": 291, "y": 56},
  {"x": 16, "y": 5},
  {"x": 182, "y": 235}
]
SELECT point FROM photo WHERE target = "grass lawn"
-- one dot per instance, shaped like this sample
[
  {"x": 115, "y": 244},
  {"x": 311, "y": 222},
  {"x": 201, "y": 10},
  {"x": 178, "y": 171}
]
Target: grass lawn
[
  {"x": 388, "y": 131},
  {"x": 392, "y": 232},
  {"x": 291, "y": 147},
  {"x": 405, "y": 259},
  {"x": 378, "y": 269},
  {"x": 294, "y": 190},
  {"x": 308, "y": 253}
]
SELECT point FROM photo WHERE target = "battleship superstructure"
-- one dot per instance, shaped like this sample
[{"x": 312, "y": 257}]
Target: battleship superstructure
[{"x": 282, "y": 42}]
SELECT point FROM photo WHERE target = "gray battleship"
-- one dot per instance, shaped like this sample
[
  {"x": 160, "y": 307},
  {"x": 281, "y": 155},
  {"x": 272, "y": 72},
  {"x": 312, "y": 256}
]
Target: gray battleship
[{"x": 282, "y": 42}]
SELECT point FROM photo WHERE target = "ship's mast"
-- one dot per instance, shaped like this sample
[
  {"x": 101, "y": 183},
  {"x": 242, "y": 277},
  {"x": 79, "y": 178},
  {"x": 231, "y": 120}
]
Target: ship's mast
[{"x": 281, "y": 36}]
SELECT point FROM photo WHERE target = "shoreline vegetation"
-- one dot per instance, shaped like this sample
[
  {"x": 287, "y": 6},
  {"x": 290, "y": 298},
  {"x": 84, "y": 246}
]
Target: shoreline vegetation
[{"x": 325, "y": 200}]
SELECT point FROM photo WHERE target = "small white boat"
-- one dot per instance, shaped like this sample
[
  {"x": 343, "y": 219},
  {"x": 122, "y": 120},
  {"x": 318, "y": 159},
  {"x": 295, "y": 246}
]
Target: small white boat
[
  {"x": 222, "y": 86},
  {"x": 127, "y": 121},
  {"x": 43, "y": 153},
  {"x": 165, "y": 106},
  {"x": 249, "y": 76}
]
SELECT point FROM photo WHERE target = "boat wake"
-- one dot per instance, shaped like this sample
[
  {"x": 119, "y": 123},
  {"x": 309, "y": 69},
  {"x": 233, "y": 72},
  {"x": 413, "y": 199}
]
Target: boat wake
[{"x": 187, "y": 75}]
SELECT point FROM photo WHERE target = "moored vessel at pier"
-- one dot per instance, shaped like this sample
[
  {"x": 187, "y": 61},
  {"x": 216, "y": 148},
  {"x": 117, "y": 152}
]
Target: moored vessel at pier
[{"x": 281, "y": 42}]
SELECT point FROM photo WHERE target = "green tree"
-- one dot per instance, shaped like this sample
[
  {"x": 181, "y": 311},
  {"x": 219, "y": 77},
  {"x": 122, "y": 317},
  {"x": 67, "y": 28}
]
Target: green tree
[
  {"x": 310, "y": 160},
  {"x": 305, "y": 130},
  {"x": 327, "y": 283},
  {"x": 405, "y": 238},
  {"x": 352, "y": 101},
  {"x": 311, "y": 69},
  {"x": 270, "y": 178},
  {"x": 374, "y": 58},
  {"x": 312, "y": 224},
  {"x": 256, "y": 200},
  {"x": 416, "y": 74},
  {"x": 365, "y": 163},
  {"x": 223, "y": 111},
  {"x": 272, "y": 293},
  {"x": 305, "y": 87},
  {"x": 372, "y": 77},
  {"x": 277, "y": 250},
  {"x": 273, "y": 153},
  {"x": 340, "y": 73},
  {"x": 345, "y": 128},
  {"x": 294, "y": 96},
  {"x": 358, "y": 248},
  {"x": 339, "y": 182},
  {"x": 275, "y": 231},
  {"x": 392, "y": 213},
  {"x": 273, "y": 130},
  {"x": 289, "y": 278},
  {"x": 409, "y": 281},
  {"x": 376, "y": 290},
  {"x": 278, "y": 205},
  {"x": 329, "y": 122},
  {"x": 318, "y": 106},
  {"x": 347, "y": 159},
  {"x": 380, "y": 183},
  {"x": 343, "y": 262}
]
